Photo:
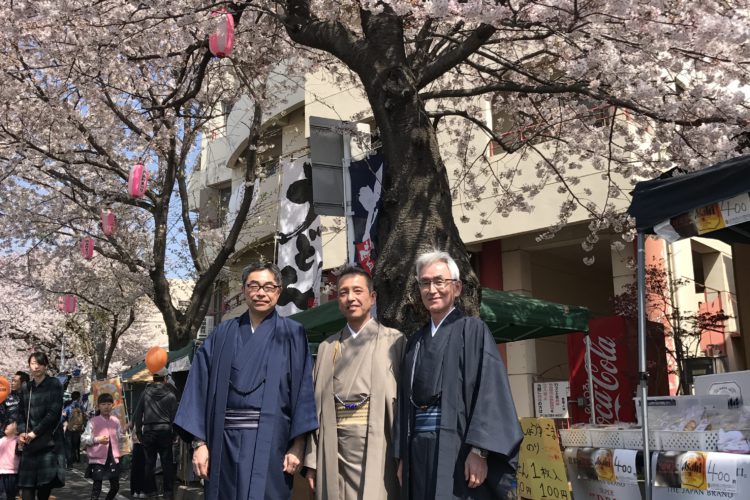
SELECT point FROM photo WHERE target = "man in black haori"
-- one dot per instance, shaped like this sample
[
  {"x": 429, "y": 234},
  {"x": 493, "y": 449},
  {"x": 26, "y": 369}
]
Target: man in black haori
[{"x": 458, "y": 432}]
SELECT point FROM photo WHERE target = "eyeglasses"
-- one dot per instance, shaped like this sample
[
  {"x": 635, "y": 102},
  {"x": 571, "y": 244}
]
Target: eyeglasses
[
  {"x": 438, "y": 283},
  {"x": 253, "y": 287}
]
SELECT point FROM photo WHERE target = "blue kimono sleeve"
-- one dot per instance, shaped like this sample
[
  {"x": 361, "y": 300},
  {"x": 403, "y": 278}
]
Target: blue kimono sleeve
[
  {"x": 304, "y": 417},
  {"x": 190, "y": 421},
  {"x": 493, "y": 422}
]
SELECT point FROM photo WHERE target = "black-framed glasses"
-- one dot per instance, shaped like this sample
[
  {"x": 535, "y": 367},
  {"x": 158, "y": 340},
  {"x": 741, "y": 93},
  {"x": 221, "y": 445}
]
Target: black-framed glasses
[
  {"x": 254, "y": 286},
  {"x": 439, "y": 283}
]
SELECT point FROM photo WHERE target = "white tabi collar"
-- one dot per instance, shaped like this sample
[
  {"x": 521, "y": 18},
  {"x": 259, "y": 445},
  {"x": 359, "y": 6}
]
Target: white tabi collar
[
  {"x": 434, "y": 328},
  {"x": 354, "y": 334}
]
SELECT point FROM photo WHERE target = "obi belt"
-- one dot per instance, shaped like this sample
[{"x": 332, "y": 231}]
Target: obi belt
[
  {"x": 241, "y": 419},
  {"x": 352, "y": 414},
  {"x": 427, "y": 419}
]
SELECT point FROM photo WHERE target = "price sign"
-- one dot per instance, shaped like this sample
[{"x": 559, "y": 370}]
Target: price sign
[
  {"x": 736, "y": 210},
  {"x": 541, "y": 471},
  {"x": 721, "y": 472},
  {"x": 624, "y": 463}
]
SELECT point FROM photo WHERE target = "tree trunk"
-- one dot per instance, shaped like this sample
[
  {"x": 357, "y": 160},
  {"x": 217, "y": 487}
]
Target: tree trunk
[{"x": 416, "y": 214}]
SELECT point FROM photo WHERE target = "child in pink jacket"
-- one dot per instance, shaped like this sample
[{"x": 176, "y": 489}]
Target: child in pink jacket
[
  {"x": 9, "y": 460},
  {"x": 102, "y": 440}
]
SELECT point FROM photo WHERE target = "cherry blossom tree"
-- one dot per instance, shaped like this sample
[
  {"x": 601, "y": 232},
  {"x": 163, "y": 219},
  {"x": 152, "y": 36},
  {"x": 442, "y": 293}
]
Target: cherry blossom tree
[
  {"x": 627, "y": 88},
  {"x": 108, "y": 301}
]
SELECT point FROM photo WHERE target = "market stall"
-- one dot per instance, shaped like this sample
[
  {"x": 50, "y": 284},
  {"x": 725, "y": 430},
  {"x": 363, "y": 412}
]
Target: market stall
[{"x": 690, "y": 436}]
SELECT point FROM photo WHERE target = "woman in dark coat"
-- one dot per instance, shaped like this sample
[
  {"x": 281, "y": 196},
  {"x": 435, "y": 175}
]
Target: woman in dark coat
[{"x": 42, "y": 465}]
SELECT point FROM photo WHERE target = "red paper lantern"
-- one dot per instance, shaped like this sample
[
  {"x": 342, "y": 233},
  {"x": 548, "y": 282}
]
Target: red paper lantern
[
  {"x": 87, "y": 248},
  {"x": 4, "y": 389},
  {"x": 138, "y": 180},
  {"x": 109, "y": 222},
  {"x": 220, "y": 42},
  {"x": 67, "y": 303},
  {"x": 156, "y": 359}
]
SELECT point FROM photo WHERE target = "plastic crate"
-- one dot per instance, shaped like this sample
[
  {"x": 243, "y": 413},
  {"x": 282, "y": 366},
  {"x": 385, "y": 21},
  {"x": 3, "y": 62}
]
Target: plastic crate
[
  {"x": 606, "y": 438},
  {"x": 571, "y": 438},
  {"x": 632, "y": 439},
  {"x": 688, "y": 440}
]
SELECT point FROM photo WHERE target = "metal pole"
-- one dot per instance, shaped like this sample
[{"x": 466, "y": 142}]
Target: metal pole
[
  {"x": 346, "y": 161},
  {"x": 587, "y": 340},
  {"x": 642, "y": 369},
  {"x": 62, "y": 353}
]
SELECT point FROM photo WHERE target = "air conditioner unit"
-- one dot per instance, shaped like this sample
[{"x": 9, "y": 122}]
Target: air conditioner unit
[{"x": 206, "y": 328}]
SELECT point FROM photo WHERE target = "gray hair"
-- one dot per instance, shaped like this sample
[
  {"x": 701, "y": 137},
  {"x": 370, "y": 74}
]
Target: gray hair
[
  {"x": 262, "y": 266},
  {"x": 433, "y": 256}
]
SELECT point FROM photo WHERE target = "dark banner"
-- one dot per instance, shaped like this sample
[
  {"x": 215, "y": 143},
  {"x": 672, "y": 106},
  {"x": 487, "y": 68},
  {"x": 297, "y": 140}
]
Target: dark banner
[{"x": 366, "y": 185}]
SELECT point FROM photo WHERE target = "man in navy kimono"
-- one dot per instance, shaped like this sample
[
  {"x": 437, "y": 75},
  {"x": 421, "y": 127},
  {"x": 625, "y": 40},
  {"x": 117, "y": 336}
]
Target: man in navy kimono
[
  {"x": 249, "y": 403},
  {"x": 457, "y": 429}
]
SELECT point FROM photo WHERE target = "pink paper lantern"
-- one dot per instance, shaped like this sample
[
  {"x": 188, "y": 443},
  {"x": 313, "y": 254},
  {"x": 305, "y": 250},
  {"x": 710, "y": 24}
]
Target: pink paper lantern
[
  {"x": 109, "y": 222},
  {"x": 67, "y": 304},
  {"x": 220, "y": 42},
  {"x": 87, "y": 248},
  {"x": 138, "y": 180}
]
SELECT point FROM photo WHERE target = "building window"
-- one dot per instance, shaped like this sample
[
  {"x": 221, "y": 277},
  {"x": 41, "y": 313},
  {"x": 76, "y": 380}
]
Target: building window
[
  {"x": 268, "y": 159},
  {"x": 699, "y": 274},
  {"x": 223, "y": 205}
]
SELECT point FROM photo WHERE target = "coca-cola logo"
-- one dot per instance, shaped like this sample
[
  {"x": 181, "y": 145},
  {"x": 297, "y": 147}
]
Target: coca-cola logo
[{"x": 605, "y": 380}]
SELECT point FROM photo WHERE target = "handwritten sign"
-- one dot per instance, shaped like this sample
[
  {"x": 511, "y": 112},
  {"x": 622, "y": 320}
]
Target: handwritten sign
[
  {"x": 541, "y": 469},
  {"x": 625, "y": 466},
  {"x": 579, "y": 472},
  {"x": 721, "y": 472},
  {"x": 721, "y": 481},
  {"x": 736, "y": 210}
]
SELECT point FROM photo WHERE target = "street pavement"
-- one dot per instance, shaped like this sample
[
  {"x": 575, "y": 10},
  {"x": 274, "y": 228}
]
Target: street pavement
[{"x": 78, "y": 487}]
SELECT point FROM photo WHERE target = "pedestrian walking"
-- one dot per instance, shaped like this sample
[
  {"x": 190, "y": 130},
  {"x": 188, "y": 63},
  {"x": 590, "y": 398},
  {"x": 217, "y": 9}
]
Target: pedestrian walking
[
  {"x": 102, "y": 441},
  {"x": 153, "y": 420},
  {"x": 42, "y": 465},
  {"x": 9, "y": 460},
  {"x": 74, "y": 422}
]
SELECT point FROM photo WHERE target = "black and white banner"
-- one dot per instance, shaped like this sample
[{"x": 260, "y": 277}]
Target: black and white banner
[{"x": 300, "y": 250}]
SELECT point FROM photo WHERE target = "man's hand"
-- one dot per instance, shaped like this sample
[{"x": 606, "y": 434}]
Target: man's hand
[
  {"x": 200, "y": 462},
  {"x": 475, "y": 470},
  {"x": 293, "y": 456},
  {"x": 103, "y": 439},
  {"x": 311, "y": 476},
  {"x": 400, "y": 472},
  {"x": 23, "y": 438}
]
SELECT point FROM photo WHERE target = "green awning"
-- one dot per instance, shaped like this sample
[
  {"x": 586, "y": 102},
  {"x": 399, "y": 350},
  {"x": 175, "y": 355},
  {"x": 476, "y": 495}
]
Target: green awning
[
  {"x": 510, "y": 317},
  {"x": 139, "y": 373}
]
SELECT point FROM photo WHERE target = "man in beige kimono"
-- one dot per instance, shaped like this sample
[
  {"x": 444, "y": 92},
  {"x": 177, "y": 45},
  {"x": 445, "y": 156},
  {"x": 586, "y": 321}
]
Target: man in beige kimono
[{"x": 350, "y": 457}]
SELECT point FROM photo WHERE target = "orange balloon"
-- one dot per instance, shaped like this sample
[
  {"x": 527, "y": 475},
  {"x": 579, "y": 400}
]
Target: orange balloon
[
  {"x": 4, "y": 389},
  {"x": 156, "y": 359}
]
